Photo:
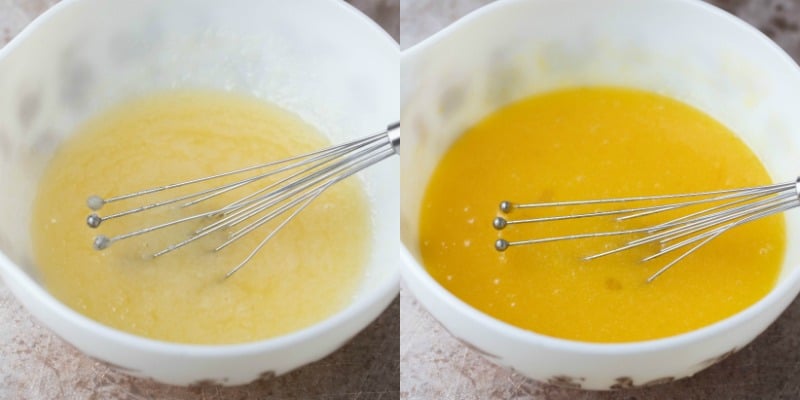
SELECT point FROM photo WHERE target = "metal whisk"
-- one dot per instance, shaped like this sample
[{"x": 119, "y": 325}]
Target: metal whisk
[
  {"x": 724, "y": 210},
  {"x": 301, "y": 179}
]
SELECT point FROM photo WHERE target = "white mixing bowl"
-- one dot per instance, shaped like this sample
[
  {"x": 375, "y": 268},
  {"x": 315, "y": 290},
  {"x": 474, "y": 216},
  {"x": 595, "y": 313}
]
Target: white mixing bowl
[
  {"x": 321, "y": 59},
  {"x": 512, "y": 49}
]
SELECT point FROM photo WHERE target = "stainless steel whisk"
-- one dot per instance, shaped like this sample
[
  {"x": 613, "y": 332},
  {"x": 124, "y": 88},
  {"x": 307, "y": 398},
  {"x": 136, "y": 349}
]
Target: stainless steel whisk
[
  {"x": 726, "y": 209},
  {"x": 307, "y": 176}
]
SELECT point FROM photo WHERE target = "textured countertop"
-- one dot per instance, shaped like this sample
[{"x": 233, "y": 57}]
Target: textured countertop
[
  {"x": 435, "y": 366},
  {"x": 36, "y": 364}
]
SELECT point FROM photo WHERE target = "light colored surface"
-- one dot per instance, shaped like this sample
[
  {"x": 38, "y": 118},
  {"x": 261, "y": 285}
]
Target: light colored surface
[
  {"x": 434, "y": 365},
  {"x": 36, "y": 364}
]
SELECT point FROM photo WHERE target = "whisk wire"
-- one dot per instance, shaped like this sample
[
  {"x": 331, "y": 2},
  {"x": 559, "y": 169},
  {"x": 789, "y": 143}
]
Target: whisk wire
[
  {"x": 306, "y": 198},
  {"x": 311, "y": 196},
  {"x": 737, "y": 207},
  {"x": 305, "y": 183},
  {"x": 267, "y": 239},
  {"x": 242, "y": 209},
  {"x": 711, "y": 220},
  {"x": 714, "y": 234},
  {"x": 253, "y": 207},
  {"x": 323, "y": 155},
  {"x": 784, "y": 185},
  {"x": 307, "y": 176},
  {"x": 690, "y": 228}
]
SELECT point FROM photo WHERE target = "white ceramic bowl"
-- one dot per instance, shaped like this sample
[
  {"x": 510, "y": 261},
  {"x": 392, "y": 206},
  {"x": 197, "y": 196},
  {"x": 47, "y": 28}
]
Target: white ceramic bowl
[
  {"x": 321, "y": 59},
  {"x": 512, "y": 49}
]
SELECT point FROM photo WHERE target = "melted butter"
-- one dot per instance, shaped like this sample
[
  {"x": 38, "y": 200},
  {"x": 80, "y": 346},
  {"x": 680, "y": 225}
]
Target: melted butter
[
  {"x": 307, "y": 272},
  {"x": 582, "y": 144}
]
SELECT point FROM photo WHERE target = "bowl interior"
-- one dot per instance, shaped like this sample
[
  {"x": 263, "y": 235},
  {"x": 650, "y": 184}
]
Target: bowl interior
[
  {"x": 683, "y": 49},
  {"x": 85, "y": 56}
]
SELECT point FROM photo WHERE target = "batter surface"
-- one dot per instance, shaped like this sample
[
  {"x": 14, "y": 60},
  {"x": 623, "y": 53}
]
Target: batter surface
[
  {"x": 593, "y": 143},
  {"x": 309, "y": 271}
]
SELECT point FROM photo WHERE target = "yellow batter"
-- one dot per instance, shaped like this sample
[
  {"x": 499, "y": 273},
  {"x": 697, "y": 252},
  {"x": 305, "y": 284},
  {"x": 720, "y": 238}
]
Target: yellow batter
[
  {"x": 309, "y": 271},
  {"x": 593, "y": 143}
]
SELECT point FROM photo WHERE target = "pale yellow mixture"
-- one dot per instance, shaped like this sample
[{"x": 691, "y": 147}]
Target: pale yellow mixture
[{"x": 309, "y": 271}]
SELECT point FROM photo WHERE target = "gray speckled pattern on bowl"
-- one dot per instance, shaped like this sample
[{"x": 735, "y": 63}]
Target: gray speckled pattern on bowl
[{"x": 434, "y": 365}]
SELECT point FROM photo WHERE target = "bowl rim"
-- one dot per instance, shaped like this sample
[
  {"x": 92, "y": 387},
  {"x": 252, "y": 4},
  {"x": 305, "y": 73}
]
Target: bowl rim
[
  {"x": 13, "y": 275},
  {"x": 412, "y": 268}
]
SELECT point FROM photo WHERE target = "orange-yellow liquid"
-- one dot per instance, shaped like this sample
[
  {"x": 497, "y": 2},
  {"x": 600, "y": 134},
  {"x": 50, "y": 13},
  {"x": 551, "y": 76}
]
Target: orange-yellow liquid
[
  {"x": 593, "y": 143},
  {"x": 308, "y": 271}
]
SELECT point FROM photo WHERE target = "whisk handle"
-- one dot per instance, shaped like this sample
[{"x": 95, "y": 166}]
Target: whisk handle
[{"x": 393, "y": 132}]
